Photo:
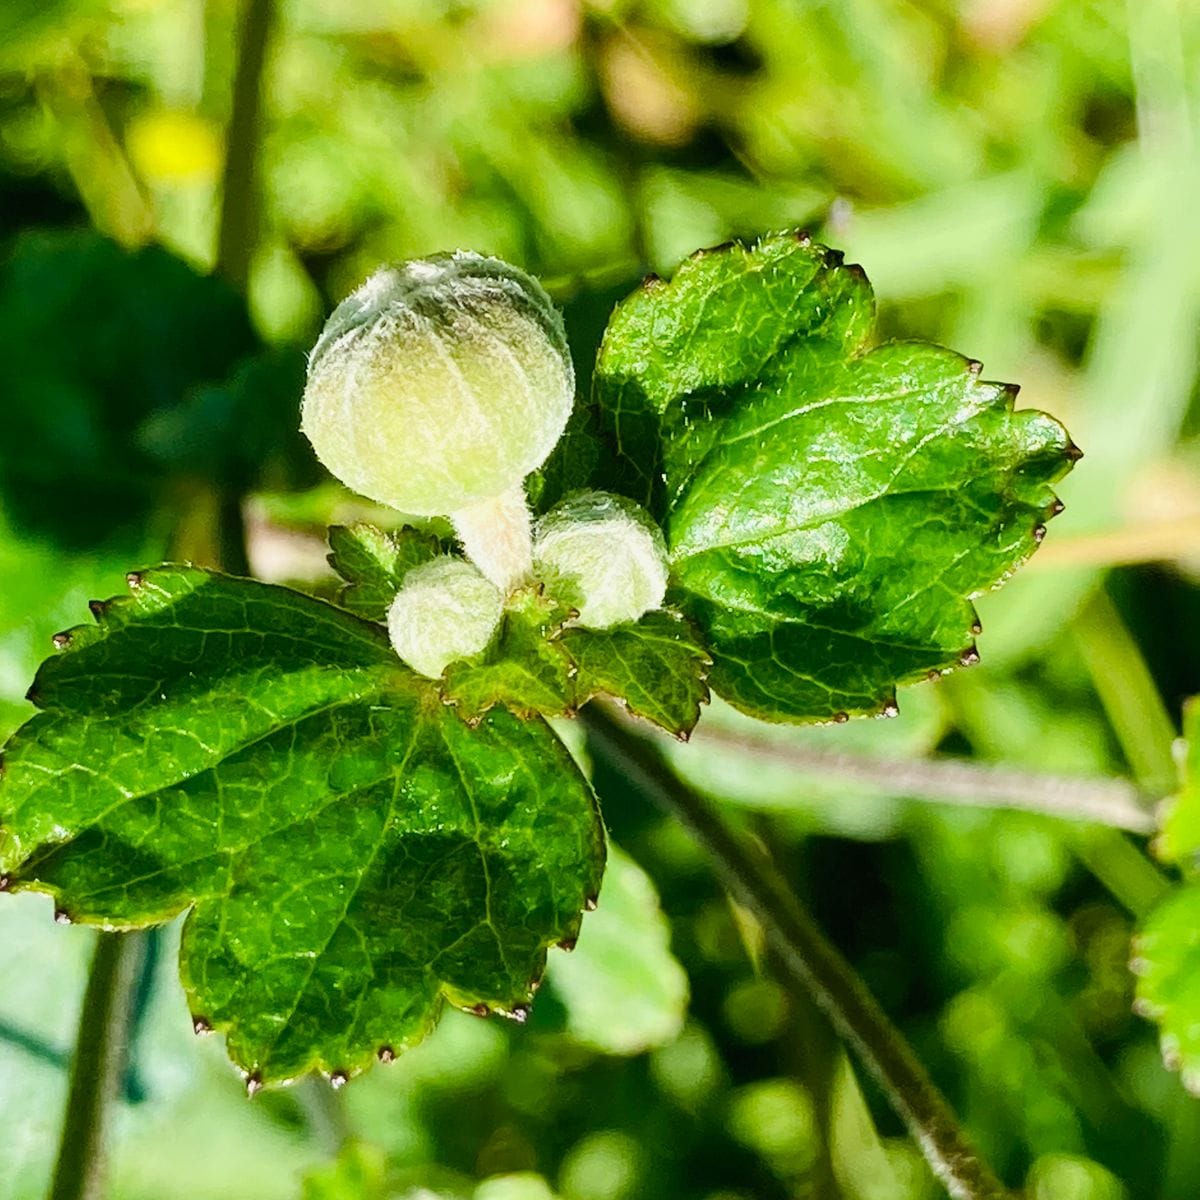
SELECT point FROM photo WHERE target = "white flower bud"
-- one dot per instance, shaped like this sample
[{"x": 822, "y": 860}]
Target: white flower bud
[
  {"x": 445, "y": 610},
  {"x": 439, "y": 384},
  {"x": 603, "y": 554}
]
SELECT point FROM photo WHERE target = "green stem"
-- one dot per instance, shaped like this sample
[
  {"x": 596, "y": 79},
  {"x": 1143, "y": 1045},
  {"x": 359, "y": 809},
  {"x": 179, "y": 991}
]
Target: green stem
[
  {"x": 96, "y": 1069},
  {"x": 239, "y": 209},
  {"x": 1128, "y": 693},
  {"x": 809, "y": 961}
]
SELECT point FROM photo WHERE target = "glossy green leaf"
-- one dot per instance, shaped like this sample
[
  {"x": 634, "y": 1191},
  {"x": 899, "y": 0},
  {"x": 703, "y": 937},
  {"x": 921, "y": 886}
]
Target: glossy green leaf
[
  {"x": 623, "y": 989},
  {"x": 374, "y": 561},
  {"x": 351, "y": 852},
  {"x": 656, "y": 666},
  {"x": 1178, "y": 840},
  {"x": 830, "y": 508},
  {"x": 539, "y": 664}
]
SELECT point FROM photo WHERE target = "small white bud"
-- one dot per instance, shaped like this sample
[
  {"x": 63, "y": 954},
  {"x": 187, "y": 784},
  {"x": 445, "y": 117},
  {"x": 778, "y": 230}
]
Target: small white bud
[
  {"x": 439, "y": 383},
  {"x": 445, "y": 610},
  {"x": 603, "y": 554}
]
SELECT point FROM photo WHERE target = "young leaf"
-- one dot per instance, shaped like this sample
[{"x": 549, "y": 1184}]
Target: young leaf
[
  {"x": 352, "y": 853},
  {"x": 830, "y": 508},
  {"x": 657, "y": 666},
  {"x": 373, "y": 562},
  {"x": 526, "y": 668}
]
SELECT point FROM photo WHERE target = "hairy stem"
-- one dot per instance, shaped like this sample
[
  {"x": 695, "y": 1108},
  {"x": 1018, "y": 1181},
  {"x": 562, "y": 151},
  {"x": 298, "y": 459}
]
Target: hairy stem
[
  {"x": 809, "y": 961},
  {"x": 96, "y": 1069},
  {"x": 1114, "y": 802},
  {"x": 497, "y": 535}
]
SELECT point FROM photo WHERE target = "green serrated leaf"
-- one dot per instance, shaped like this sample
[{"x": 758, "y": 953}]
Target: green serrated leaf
[
  {"x": 526, "y": 668},
  {"x": 830, "y": 508},
  {"x": 351, "y": 852},
  {"x": 623, "y": 989},
  {"x": 1178, "y": 840},
  {"x": 657, "y": 666},
  {"x": 1166, "y": 961},
  {"x": 374, "y": 561}
]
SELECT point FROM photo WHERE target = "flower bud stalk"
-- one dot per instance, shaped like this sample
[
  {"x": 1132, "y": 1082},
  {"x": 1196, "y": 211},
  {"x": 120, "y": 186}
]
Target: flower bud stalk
[{"x": 497, "y": 536}]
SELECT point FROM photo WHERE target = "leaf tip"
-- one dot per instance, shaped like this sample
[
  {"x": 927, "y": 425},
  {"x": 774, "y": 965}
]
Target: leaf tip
[
  {"x": 568, "y": 944},
  {"x": 974, "y": 367},
  {"x": 889, "y": 710},
  {"x": 385, "y": 1054},
  {"x": 969, "y": 657},
  {"x": 1039, "y": 533},
  {"x": 99, "y": 609},
  {"x": 200, "y": 1026},
  {"x": 803, "y": 237},
  {"x": 62, "y": 917},
  {"x": 652, "y": 282},
  {"x": 134, "y": 580},
  {"x": 1056, "y": 507},
  {"x": 590, "y": 903},
  {"x": 519, "y": 1013},
  {"x": 840, "y": 718},
  {"x": 480, "y": 1010},
  {"x": 254, "y": 1084},
  {"x": 339, "y": 1079},
  {"x": 976, "y": 627},
  {"x": 61, "y": 640},
  {"x": 5, "y": 882},
  {"x": 1072, "y": 452}
]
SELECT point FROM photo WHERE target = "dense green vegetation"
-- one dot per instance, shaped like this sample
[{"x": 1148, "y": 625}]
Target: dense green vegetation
[{"x": 1016, "y": 178}]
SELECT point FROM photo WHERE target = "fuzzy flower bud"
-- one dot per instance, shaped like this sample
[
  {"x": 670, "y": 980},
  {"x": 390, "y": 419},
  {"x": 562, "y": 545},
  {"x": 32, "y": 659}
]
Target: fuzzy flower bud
[
  {"x": 603, "y": 554},
  {"x": 439, "y": 383},
  {"x": 445, "y": 610}
]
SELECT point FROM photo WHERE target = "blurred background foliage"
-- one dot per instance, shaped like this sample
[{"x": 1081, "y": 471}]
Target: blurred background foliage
[{"x": 1020, "y": 179}]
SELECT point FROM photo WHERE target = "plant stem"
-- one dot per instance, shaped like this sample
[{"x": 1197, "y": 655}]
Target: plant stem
[
  {"x": 96, "y": 1069},
  {"x": 809, "y": 960},
  {"x": 239, "y": 209},
  {"x": 497, "y": 535},
  {"x": 1115, "y": 802},
  {"x": 94, "y": 158},
  {"x": 1128, "y": 693}
]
